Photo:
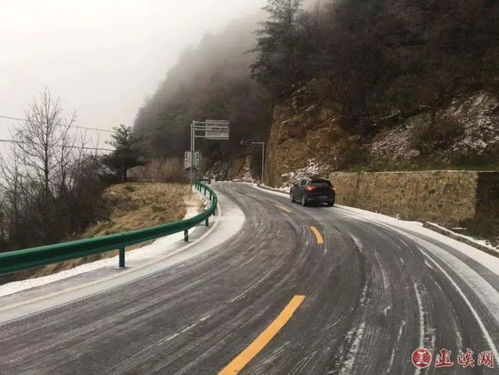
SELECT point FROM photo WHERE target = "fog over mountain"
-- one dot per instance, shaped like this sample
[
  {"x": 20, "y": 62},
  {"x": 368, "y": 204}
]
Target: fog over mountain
[
  {"x": 210, "y": 81},
  {"x": 101, "y": 58}
]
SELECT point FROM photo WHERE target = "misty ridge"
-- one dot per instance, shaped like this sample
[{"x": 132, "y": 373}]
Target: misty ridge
[
  {"x": 213, "y": 81},
  {"x": 375, "y": 63}
]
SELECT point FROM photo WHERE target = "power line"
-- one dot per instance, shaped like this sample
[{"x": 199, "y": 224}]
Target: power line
[
  {"x": 72, "y": 126},
  {"x": 78, "y": 147},
  {"x": 12, "y": 118}
]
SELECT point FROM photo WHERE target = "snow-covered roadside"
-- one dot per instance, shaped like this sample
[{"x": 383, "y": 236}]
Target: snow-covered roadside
[
  {"x": 480, "y": 256},
  {"x": 416, "y": 227},
  {"x": 280, "y": 192},
  {"x": 481, "y": 244},
  {"x": 154, "y": 250}
]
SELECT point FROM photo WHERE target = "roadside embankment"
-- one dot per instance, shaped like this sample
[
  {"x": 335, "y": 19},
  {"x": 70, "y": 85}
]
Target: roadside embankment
[
  {"x": 130, "y": 206},
  {"x": 449, "y": 198}
]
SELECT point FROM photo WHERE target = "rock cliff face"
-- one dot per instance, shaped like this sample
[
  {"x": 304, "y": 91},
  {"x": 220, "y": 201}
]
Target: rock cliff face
[
  {"x": 306, "y": 130},
  {"x": 238, "y": 169},
  {"x": 241, "y": 169}
]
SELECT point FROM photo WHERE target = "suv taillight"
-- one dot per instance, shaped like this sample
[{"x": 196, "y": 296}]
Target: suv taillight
[{"x": 310, "y": 188}]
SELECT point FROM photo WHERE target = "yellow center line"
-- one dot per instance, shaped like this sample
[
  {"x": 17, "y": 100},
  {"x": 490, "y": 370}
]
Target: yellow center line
[
  {"x": 263, "y": 339},
  {"x": 318, "y": 235},
  {"x": 285, "y": 209}
]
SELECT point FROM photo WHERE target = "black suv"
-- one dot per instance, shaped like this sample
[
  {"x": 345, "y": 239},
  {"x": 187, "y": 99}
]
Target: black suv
[{"x": 313, "y": 190}]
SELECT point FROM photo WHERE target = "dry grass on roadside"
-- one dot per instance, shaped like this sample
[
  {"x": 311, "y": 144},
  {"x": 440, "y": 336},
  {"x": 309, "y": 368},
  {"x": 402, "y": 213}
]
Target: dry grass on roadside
[
  {"x": 132, "y": 206},
  {"x": 141, "y": 205},
  {"x": 161, "y": 170}
]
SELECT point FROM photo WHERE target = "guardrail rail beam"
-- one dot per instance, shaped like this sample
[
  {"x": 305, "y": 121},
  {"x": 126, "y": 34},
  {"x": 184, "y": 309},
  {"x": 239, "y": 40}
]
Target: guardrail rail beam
[{"x": 13, "y": 261}]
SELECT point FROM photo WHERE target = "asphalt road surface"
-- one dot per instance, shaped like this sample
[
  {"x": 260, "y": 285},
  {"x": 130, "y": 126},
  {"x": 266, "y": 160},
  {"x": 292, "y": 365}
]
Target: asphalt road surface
[{"x": 299, "y": 290}]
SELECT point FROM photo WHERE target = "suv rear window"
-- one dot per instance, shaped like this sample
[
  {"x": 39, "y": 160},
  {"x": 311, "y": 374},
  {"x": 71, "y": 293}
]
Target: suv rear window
[{"x": 321, "y": 184}]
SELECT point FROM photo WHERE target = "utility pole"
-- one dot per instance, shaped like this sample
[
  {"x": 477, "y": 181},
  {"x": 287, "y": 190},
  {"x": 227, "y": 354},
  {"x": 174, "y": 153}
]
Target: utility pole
[
  {"x": 263, "y": 159},
  {"x": 193, "y": 147},
  {"x": 247, "y": 142}
]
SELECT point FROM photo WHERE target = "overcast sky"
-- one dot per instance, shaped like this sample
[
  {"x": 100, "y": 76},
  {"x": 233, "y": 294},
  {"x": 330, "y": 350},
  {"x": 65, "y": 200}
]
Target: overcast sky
[{"x": 101, "y": 57}]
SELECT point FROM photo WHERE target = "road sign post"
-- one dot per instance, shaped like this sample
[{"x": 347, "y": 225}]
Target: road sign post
[
  {"x": 214, "y": 130},
  {"x": 189, "y": 162},
  {"x": 197, "y": 160}
]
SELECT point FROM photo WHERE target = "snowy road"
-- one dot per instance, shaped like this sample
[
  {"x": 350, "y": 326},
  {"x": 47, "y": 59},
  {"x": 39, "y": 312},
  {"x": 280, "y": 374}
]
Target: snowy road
[{"x": 298, "y": 290}]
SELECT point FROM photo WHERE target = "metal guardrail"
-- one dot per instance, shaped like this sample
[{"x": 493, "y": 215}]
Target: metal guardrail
[{"x": 18, "y": 260}]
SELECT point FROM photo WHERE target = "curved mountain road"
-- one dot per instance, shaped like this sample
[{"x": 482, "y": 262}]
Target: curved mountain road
[{"x": 372, "y": 294}]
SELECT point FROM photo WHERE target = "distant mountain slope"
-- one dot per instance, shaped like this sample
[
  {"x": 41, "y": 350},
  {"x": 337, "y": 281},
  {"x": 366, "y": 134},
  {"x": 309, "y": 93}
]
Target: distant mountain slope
[{"x": 211, "y": 81}]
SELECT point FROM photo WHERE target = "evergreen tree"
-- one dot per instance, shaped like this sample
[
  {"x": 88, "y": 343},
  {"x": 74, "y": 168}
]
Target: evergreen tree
[
  {"x": 279, "y": 56},
  {"x": 126, "y": 155}
]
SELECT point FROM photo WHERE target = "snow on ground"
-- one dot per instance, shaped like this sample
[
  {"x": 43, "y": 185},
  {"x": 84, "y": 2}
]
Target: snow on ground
[
  {"x": 480, "y": 256},
  {"x": 248, "y": 176},
  {"x": 149, "y": 252},
  {"x": 484, "y": 243},
  {"x": 476, "y": 113},
  {"x": 313, "y": 168},
  {"x": 271, "y": 190},
  {"x": 284, "y": 190}
]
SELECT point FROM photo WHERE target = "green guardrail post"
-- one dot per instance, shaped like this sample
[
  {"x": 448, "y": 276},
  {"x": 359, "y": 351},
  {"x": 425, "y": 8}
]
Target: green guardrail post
[
  {"x": 122, "y": 257},
  {"x": 207, "y": 222},
  {"x": 13, "y": 261}
]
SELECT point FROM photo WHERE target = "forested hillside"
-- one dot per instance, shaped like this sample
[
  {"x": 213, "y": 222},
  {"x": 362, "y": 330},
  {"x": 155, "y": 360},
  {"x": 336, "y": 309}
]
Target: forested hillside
[
  {"x": 356, "y": 69},
  {"x": 212, "y": 81}
]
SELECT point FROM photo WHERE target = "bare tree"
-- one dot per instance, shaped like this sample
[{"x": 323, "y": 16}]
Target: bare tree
[
  {"x": 50, "y": 186},
  {"x": 44, "y": 144}
]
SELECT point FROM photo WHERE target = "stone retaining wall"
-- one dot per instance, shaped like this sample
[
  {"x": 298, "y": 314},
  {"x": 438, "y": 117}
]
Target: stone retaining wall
[{"x": 444, "y": 197}]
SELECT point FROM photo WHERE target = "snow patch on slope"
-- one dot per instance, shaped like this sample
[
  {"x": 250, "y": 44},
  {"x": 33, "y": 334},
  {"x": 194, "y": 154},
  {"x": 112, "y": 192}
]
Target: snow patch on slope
[{"x": 312, "y": 168}]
